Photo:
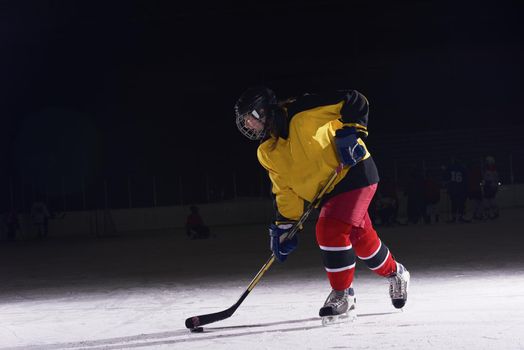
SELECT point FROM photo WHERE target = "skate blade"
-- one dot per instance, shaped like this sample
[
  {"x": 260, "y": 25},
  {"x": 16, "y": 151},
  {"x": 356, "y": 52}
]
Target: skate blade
[{"x": 349, "y": 316}]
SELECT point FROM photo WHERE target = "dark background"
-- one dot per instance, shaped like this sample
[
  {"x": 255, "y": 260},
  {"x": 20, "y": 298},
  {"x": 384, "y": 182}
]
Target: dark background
[{"x": 127, "y": 89}]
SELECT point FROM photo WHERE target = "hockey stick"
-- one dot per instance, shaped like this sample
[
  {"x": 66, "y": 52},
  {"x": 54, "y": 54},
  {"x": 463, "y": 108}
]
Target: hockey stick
[{"x": 196, "y": 321}]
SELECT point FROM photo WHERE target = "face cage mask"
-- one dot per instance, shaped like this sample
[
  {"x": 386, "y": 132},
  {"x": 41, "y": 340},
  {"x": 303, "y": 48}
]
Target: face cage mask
[{"x": 248, "y": 132}]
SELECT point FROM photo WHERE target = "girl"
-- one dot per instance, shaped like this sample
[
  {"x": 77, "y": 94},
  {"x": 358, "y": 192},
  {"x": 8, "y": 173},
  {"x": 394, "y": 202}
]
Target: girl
[{"x": 302, "y": 140}]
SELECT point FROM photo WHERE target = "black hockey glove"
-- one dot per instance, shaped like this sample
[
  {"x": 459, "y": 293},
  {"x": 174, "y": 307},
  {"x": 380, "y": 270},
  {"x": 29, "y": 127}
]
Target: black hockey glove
[
  {"x": 356, "y": 108},
  {"x": 349, "y": 150},
  {"x": 280, "y": 245}
]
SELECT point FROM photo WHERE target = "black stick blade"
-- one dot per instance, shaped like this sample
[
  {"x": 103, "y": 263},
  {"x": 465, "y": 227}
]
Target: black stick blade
[
  {"x": 196, "y": 321},
  {"x": 192, "y": 322},
  {"x": 201, "y": 320}
]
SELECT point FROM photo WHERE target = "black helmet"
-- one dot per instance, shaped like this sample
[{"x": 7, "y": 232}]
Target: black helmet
[{"x": 258, "y": 103}]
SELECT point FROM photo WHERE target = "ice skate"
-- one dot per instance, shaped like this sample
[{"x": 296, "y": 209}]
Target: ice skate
[
  {"x": 339, "y": 305},
  {"x": 398, "y": 286}
]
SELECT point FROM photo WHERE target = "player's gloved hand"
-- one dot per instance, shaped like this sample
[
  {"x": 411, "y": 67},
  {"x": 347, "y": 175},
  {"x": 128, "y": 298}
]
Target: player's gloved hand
[
  {"x": 280, "y": 245},
  {"x": 349, "y": 150}
]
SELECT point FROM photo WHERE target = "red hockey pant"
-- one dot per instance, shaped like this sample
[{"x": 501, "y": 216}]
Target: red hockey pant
[{"x": 344, "y": 231}]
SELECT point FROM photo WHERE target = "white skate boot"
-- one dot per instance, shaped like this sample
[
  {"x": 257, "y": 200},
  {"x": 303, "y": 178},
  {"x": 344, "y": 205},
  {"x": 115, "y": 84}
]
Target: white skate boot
[
  {"x": 398, "y": 286},
  {"x": 339, "y": 305}
]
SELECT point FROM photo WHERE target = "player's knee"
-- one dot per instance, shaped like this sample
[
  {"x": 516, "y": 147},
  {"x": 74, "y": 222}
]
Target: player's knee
[
  {"x": 332, "y": 232},
  {"x": 364, "y": 237}
]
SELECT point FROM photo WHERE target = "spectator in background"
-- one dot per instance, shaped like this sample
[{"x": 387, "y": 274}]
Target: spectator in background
[
  {"x": 12, "y": 224},
  {"x": 457, "y": 190},
  {"x": 40, "y": 217},
  {"x": 490, "y": 184},
  {"x": 431, "y": 198},
  {"x": 475, "y": 189},
  {"x": 415, "y": 194},
  {"x": 386, "y": 204},
  {"x": 195, "y": 227}
]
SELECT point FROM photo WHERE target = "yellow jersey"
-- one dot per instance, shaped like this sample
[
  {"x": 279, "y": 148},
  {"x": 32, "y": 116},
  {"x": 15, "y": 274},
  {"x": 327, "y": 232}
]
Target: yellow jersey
[{"x": 300, "y": 163}]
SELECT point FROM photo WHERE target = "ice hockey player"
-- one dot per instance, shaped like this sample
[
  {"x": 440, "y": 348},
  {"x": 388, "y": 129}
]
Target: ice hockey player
[
  {"x": 490, "y": 184},
  {"x": 302, "y": 141}
]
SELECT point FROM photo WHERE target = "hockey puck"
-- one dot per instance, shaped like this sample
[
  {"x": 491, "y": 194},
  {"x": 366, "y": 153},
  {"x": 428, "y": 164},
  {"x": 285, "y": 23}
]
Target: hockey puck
[{"x": 197, "y": 330}]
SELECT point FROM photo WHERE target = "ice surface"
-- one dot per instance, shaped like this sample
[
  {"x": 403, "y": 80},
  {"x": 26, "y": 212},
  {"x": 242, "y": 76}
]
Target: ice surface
[{"x": 128, "y": 292}]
